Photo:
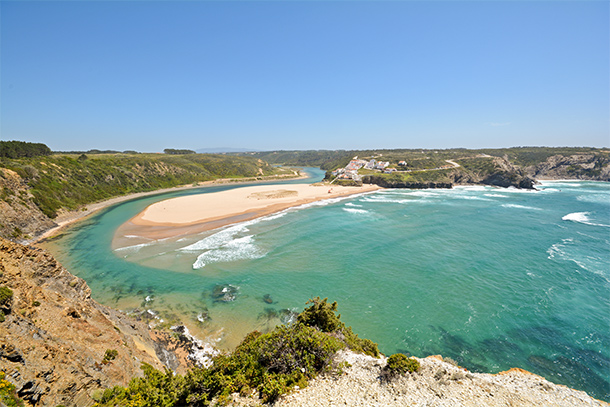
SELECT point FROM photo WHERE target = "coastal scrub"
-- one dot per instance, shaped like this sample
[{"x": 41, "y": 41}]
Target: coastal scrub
[{"x": 268, "y": 365}]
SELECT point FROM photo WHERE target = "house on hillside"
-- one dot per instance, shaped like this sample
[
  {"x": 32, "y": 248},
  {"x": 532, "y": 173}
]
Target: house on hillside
[
  {"x": 371, "y": 164},
  {"x": 338, "y": 171},
  {"x": 402, "y": 163},
  {"x": 354, "y": 165},
  {"x": 381, "y": 165}
]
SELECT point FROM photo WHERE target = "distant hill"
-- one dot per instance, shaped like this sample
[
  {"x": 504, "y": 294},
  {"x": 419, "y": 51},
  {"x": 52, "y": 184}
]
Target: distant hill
[{"x": 221, "y": 150}]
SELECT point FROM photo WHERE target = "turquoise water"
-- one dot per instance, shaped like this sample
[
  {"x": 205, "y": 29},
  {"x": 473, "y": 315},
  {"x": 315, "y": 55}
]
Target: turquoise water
[{"x": 493, "y": 278}]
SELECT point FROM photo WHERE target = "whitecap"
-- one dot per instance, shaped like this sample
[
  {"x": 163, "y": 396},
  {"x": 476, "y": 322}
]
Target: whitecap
[
  {"x": 470, "y": 188},
  {"x": 582, "y": 217},
  {"x": 133, "y": 249},
  {"x": 237, "y": 249},
  {"x": 388, "y": 200},
  {"x": 567, "y": 251},
  {"x": 496, "y": 196},
  {"x": 218, "y": 239},
  {"x": 355, "y": 210},
  {"x": 274, "y": 216},
  {"x": 353, "y": 205},
  {"x": 472, "y": 198},
  {"x": 521, "y": 207}
]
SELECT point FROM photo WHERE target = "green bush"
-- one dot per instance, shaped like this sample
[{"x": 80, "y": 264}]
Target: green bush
[
  {"x": 5, "y": 296},
  {"x": 8, "y": 397},
  {"x": 269, "y": 364},
  {"x": 322, "y": 315},
  {"x": 399, "y": 364},
  {"x": 110, "y": 354}
]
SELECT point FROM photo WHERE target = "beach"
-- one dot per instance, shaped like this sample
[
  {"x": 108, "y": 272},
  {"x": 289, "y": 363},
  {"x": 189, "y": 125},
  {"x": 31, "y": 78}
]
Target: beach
[
  {"x": 67, "y": 218},
  {"x": 198, "y": 213}
]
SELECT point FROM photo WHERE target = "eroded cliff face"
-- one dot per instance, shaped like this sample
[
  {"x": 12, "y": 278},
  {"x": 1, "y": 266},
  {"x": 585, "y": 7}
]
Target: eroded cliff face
[
  {"x": 578, "y": 166},
  {"x": 54, "y": 338},
  {"x": 505, "y": 175},
  {"x": 20, "y": 218}
]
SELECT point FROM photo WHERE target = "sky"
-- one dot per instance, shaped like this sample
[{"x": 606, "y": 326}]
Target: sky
[{"x": 297, "y": 75}]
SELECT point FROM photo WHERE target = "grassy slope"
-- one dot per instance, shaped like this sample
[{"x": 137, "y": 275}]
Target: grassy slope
[{"x": 70, "y": 181}]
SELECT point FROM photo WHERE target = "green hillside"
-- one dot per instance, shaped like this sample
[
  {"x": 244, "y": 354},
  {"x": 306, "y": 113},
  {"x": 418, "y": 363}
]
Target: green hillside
[{"x": 71, "y": 180}]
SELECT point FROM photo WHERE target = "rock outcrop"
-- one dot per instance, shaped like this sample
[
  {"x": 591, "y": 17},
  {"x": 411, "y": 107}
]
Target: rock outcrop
[
  {"x": 20, "y": 218},
  {"x": 391, "y": 183},
  {"x": 578, "y": 166},
  {"x": 437, "y": 383},
  {"x": 58, "y": 346}
]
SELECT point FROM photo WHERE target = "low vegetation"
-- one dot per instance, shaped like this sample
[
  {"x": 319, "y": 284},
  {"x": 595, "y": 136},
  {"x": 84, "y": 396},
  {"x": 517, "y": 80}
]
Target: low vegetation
[
  {"x": 110, "y": 355},
  {"x": 19, "y": 149},
  {"x": 399, "y": 364},
  {"x": 8, "y": 397},
  {"x": 70, "y": 181},
  {"x": 268, "y": 365}
]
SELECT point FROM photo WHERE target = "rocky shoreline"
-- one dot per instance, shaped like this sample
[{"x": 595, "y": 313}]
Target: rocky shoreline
[{"x": 59, "y": 346}]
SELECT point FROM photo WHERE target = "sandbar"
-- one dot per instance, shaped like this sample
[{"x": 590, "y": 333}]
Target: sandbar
[{"x": 198, "y": 213}]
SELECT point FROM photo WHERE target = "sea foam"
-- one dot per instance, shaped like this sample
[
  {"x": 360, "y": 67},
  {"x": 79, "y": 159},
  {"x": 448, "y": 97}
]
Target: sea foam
[
  {"x": 355, "y": 210},
  {"x": 237, "y": 249},
  {"x": 582, "y": 217},
  {"x": 516, "y": 206}
]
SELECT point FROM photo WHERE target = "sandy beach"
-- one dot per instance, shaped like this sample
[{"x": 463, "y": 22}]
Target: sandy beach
[
  {"x": 67, "y": 218},
  {"x": 198, "y": 213}
]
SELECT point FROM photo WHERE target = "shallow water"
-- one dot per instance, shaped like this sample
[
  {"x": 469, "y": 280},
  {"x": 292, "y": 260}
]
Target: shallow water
[{"x": 493, "y": 278}]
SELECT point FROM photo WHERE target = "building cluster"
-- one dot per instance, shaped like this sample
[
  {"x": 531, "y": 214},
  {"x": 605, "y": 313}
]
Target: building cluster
[{"x": 350, "y": 171}]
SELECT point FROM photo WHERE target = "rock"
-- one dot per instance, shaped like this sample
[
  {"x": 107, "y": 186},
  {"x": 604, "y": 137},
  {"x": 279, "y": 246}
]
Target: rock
[
  {"x": 53, "y": 352},
  {"x": 20, "y": 218}
]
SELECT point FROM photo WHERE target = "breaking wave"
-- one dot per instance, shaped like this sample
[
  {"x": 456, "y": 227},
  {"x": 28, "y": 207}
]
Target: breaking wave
[
  {"x": 355, "y": 210},
  {"x": 582, "y": 217},
  {"x": 236, "y": 249}
]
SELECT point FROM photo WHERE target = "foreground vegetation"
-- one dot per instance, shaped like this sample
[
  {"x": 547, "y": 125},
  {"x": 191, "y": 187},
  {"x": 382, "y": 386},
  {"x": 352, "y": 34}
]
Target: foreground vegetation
[
  {"x": 267, "y": 365},
  {"x": 70, "y": 181}
]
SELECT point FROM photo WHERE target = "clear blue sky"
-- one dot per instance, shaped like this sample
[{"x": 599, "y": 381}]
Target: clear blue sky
[{"x": 268, "y": 75}]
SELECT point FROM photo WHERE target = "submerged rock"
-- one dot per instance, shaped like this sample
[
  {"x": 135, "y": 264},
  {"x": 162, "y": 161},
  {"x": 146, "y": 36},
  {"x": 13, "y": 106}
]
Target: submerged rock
[{"x": 224, "y": 293}]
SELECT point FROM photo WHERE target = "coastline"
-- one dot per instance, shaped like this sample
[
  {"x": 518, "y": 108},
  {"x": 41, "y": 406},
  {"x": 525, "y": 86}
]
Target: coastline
[
  {"x": 198, "y": 213},
  {"x": 67, "y": 218}
]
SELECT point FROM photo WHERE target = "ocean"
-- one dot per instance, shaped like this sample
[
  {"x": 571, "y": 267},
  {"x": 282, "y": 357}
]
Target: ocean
[{"x": 493, "y": 278}]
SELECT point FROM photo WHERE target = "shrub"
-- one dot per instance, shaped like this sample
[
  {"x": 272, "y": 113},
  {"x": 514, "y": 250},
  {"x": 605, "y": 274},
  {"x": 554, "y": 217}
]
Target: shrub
[
  {"x": 6, "y": 294},
  {"x": 8, "y": 397},
  {"x": 322, "y": 315},
  {"x": 270, "y": 364},
  {"x": 399, "y": 364},
  {"x": 110, "y": 354}
]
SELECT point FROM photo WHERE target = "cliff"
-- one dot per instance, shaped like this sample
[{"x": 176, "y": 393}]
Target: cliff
[
  {"x": 576, "y": 166},
  {"x": 436, "y": 383},
  {"x": 494, "y": 171},
  {"x": 57, "y": 345},
  {"x": 20, "y": 218}
]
